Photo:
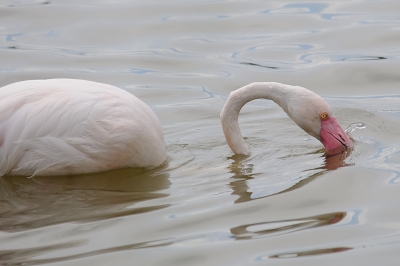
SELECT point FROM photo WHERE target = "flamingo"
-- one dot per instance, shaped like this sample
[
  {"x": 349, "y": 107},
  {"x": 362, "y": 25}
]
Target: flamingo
[
  {"x": 68, "y": 126},
  {"x": 307, "y": 109}
]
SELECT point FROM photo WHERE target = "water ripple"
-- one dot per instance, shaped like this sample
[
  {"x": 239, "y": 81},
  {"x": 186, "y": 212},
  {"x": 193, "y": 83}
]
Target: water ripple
[
  {"x": 269, "y": 229},
  {"x": 364, "y": 18},
  {"x": 300, "y": 8}
]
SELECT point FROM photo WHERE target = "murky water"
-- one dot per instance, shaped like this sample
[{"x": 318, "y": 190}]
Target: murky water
[{"x": 286, "y": 204}]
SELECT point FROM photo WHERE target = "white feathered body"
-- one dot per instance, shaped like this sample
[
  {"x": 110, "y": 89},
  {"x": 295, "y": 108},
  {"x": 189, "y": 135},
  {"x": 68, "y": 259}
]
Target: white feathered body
[{"x": 65, "y": 126}]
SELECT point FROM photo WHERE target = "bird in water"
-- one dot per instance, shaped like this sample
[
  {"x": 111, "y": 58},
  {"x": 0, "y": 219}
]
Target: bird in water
[
  {"x": 68, "y": 126},
  {"x": 307, "y": 109}
]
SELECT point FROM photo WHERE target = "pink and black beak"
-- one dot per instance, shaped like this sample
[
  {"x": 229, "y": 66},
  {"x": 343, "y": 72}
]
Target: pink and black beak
[{"x": 333, "y": 137}]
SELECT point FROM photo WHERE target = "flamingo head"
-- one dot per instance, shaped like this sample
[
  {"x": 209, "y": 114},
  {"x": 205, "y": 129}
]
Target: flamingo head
[
  {"x": 332, "y": 135},
  {"x": 313, "y": 115}
]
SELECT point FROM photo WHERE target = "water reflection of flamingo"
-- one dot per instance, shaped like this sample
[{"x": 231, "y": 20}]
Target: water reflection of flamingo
[
  {"x": 28, "y": 203},
  {"x": 239, "y": 179},
  {"x": 66, "y": 126}
]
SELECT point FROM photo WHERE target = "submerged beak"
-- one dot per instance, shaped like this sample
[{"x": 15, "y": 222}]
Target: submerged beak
[{"x": 333, "y": 137}]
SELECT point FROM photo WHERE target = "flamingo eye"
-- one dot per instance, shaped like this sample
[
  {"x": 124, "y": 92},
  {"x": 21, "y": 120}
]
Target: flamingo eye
[{"x": 323, "y": 115}]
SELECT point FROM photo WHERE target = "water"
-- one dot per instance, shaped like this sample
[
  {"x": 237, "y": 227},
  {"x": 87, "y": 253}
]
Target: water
[
  {"x": 352, "y": 127},
  {"x": 286, "y": 204}
]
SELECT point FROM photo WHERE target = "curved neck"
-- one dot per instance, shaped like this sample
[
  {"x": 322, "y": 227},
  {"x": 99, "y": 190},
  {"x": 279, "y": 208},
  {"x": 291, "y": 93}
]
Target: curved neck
[{"x": 237, "y": 99}]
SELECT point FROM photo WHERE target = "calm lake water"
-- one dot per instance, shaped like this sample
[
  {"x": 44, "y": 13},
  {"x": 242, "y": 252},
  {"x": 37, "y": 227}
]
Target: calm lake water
[{"x": 286, "y": 204}]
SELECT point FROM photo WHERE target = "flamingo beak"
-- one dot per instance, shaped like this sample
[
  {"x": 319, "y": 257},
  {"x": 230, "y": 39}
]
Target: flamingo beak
[{"x": 333, "y": 137}]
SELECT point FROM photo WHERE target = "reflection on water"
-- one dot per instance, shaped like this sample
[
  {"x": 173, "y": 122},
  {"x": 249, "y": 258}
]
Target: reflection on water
[
  {"x": 28, "y": 203},
  {"x": 250, "y": 231},
  {"x": 23, "y": 255},
  {"x": 258, "y": 65},
  {"x": 244, "y": 232},
  {"x": 310, "y": 253},
  {"x": 8, "y": 256},
  {"x": 205, "y": 206},
  {"x": 243, "y": 174}
]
